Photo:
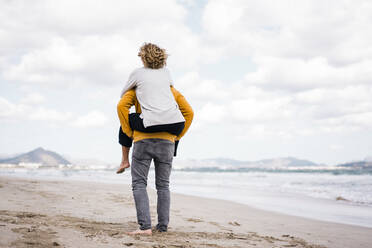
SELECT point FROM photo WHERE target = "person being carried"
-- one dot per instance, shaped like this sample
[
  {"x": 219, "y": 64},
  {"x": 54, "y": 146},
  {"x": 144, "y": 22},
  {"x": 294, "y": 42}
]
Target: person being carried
[{"x": 159, "y": 110}]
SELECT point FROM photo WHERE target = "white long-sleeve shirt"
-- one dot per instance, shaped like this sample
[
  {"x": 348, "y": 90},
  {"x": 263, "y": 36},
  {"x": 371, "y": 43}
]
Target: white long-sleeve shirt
[{"x": 153, "y": 92}]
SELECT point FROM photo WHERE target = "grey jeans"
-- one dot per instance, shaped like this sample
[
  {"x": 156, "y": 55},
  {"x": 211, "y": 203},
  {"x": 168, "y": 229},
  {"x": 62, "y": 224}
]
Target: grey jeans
[{"x": 144, "y": 151}]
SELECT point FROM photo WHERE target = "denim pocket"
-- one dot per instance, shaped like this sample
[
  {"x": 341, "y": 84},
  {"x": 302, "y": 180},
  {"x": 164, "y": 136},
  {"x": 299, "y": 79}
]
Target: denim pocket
[{"x": 141, "y": 150}]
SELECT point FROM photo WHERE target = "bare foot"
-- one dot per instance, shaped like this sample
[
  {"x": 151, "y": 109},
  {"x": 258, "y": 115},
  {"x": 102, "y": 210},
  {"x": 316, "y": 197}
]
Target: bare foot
[
  {"x": 140, "y": 232},
  {"x": 123, "y": 166}
]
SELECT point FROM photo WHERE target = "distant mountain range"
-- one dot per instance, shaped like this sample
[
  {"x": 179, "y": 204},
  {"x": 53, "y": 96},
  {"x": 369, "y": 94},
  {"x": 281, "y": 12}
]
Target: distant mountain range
[
  {"x": 232, "y": 164},
  {"x": 37, "y": 156},
  {"x": 284, "y": 163},
  {"x": 45, "y": 158},
  {"x": 357, "y": 164}
]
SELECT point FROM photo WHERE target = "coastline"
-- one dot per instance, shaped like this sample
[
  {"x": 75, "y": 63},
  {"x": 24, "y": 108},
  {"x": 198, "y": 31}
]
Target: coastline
[
  {"x": 291, "y": 194},
  {"x": 40, "y": 212}
]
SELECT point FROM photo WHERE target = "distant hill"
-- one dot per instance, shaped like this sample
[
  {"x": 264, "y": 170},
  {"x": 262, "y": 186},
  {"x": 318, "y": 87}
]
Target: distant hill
[
  {"x": 224, "y": 163},
  {"x": 285, "y": 162},
  {"x": 40, "y": 156},
  {"x": 46, "y": 158},
  {"x": 357, "y": 164},
  {"x": 368, "y": 158}
]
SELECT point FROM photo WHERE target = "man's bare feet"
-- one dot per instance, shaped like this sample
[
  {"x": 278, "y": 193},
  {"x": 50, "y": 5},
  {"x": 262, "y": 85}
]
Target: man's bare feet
[
  {"x": 123, "y": 166},
  {"x": 140, "y": 232}
]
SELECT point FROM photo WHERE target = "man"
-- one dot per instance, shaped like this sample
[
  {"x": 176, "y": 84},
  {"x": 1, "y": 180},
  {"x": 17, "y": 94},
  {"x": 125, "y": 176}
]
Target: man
[{"x": 159, "y": 147}]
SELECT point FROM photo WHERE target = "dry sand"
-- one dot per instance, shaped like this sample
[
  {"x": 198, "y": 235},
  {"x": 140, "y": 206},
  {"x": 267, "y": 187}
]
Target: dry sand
[{"x": 40, "y": 213}]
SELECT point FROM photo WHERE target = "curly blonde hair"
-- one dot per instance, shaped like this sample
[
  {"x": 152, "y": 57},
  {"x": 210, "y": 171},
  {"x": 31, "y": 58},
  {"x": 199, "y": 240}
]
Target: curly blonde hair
[{"x": 153, "y": 56}]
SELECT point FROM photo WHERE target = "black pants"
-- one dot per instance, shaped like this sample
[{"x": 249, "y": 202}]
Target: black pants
[{"x": 136, "y": 123}]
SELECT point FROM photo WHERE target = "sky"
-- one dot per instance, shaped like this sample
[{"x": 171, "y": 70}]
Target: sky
[{"x": 265, "y": 78}]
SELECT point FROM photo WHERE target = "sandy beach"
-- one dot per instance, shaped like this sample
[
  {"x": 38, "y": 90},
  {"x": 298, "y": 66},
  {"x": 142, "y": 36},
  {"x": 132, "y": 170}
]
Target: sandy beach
[{"x": 41, "y": 213}]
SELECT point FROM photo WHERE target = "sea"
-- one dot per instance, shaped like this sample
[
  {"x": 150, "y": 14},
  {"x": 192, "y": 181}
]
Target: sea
[{"x": 333, "y": 195}]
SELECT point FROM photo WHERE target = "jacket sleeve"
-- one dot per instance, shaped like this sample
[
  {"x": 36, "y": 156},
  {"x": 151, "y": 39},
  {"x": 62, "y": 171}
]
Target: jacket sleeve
[
  {"x": 126, "y": 102},
  {"x": 186, "y": 111}
]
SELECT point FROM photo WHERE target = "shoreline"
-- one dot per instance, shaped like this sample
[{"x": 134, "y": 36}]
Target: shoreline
[
  {"x": 287, "y": 203},
  {"x": 98, "y": 214}
]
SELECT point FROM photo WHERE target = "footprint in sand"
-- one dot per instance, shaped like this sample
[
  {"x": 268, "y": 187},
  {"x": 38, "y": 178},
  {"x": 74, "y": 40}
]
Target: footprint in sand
[
  {"x": 194, "y": 220},
  {"x": 234, "y": 223}
]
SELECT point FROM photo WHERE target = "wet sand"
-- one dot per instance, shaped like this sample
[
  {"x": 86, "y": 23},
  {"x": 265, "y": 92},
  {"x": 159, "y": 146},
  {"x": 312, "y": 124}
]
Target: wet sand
[{"x": 41, "y": 213}]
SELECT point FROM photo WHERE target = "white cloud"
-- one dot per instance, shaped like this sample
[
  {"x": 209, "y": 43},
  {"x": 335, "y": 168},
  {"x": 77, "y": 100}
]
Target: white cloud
[
  {"x": 44, "y": 114},
  {"x": 328, "y": 102},
  {"x": 317, "y": 60},
  {"x": 189, "y": 3},
  {"x": 88, "y": 17},
  {"x": 193, "y": 85},
  {"x": 9, "y": 110},
  {"x": 31, "y": 112},
  {"x": 33, "y": 98},
  {"x": 256, "y": 110},
  {"x": 337, "y": 30},
  {"x": 265, "y": 131},
  {"x": 322, "y": 109},
  {"x": 346, "y": 123},
  {"x": 65, "y": 63},
  {"x": 211, "y": 113},
  {"x": 62, "y": 45},
  {"x": 300, "y": 74},
  {"x": 312, "y": 65},
  {"x": 22, "y": 111},
  {"x": 336, "y": 147},
  {"x": 92, "y": 119}
]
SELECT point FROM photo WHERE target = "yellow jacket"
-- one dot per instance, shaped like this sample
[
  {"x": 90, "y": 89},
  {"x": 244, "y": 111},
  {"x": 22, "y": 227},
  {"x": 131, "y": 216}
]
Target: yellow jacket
[{"x": 129, "y": 99}]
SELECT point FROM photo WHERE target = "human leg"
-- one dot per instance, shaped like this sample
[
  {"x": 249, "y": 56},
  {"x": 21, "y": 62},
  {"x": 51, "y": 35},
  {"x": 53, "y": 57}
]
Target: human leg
[
  {"x": 140, "y": 167},
  {"x": 125, "y": 143},
  {"x": 163, "y": 166},
  {"x": 136, "y": 123},
  {"x": 124, "y": 140},
  {"x": 124, "y": 159}
]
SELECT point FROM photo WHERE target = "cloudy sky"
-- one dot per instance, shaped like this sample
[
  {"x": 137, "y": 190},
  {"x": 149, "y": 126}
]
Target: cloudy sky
[{"x": 265, "y": 78}]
